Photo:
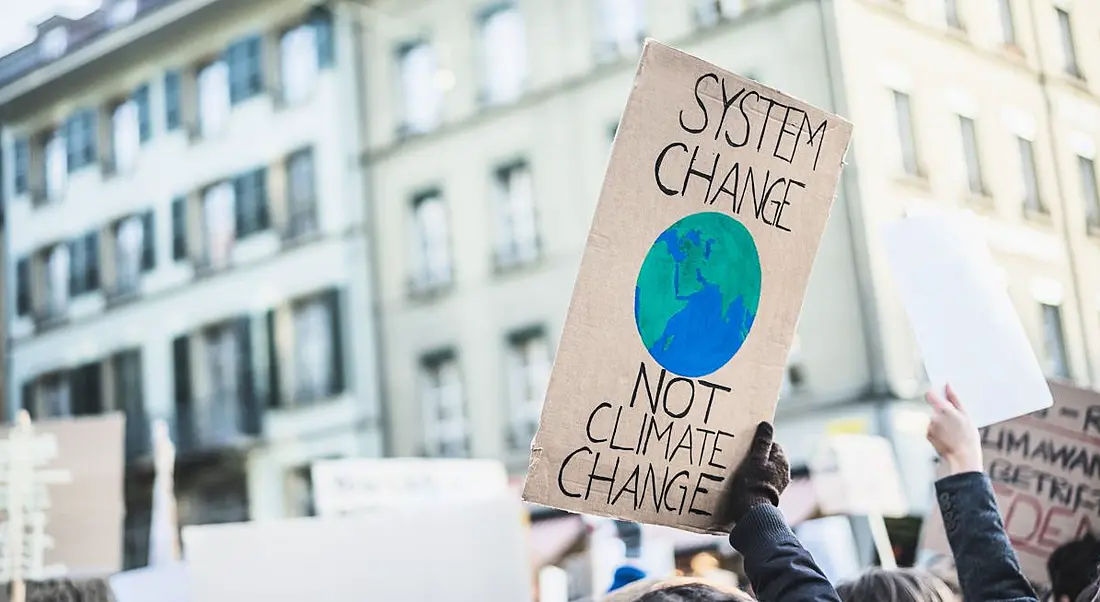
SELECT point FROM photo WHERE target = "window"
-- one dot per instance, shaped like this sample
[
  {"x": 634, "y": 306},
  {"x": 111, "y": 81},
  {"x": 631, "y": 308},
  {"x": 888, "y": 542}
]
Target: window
[
  {"x": 56, "y": 165},
  {"x": 80, "y": 139},
  {"x": 321, "y": 20},
  {"x": 140, "y": 98},
  {"x": 1032, "y": 200},
  {"x": 84, "y": 264},
  {"x": 1008, "y": 23},
  {"x": 503, "y": 54},
  {"x": 517, "y": 232},
  {"x": 218, "y": 224},
  {"x": 420, "y": 95},
  {"x": 621, "y": 27},
  {"x": 299, "y": 492},
  {"x": 1087, "y": 168},
  {"x": 951, "y": 13},
  {"x": 213, "y": 87},
  {"x": 218, "y": 416},
  {"x": 446, "y": 433},
  {"x": 1054, "y": 343},
  {"x": 54, "y": 396},
  {"x": 315, "y": 349},
  {"x": 431, "y": 236},
  {"x": 528, "y": 373},
  {"x": 250, "y": 191},
  {"x": 173, "y": 115},
  {"x": 57, "y": 281},
  {"x": 246, "y": 75},
  {"x": 974, "y": 178},
  {"x": 23, "y": 286},
  {"x": 710, "y": 12},
  {"x": 21, "y": 159},
  {"x": 298, "y": 63},
  {"x": 134, "y": 251},
  {"x": 301, "y": 198},
  {"x": 906, "y": 139},
  {"x": 127, "y": 388},
  {"x": 179, "y": 228},
  {"x": 125, "y": 136},
  {"x": 1069, "y": 47}
]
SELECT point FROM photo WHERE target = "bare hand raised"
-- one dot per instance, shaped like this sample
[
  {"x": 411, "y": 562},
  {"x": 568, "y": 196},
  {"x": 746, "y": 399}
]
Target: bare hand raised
[{"x": 952, "y": 434}]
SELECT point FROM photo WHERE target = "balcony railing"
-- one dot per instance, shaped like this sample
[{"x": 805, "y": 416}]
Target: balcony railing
[{"x": 216, "y": 422}]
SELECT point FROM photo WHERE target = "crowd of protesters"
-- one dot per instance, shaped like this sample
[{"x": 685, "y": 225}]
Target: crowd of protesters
[{"x": 780, "y": 569}]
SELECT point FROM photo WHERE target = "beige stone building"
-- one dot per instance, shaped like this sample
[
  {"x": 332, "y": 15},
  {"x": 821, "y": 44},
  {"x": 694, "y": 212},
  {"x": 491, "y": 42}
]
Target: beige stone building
[{"x": 488, "y": 128}]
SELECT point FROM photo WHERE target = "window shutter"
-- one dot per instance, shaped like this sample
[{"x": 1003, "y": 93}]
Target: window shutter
[
  {"x": 320, "y": 18},
  {"x": 172, "y": 106},
  {"x": 181, "y": 371},
  {"x": 91, "y": 246},
  {"x": 149, "y": 245},
  {"x": 22, "y": 158},
  {"x": 245, "y": 62},
  {"x": 86, "y": 389},
  {"x": 241, "y": 209},
  {"x": 28, "y": 401},
  {"x": 71, "y": 132},
  {"x": 333, "y": 300},
  {"x": 23, "y": 286},
  {"x": 179, "y": 228},
  {"x": 255, "y": 65},
  {"x": 259, "y": 185},
  {"x": 246, "y": 388},
  {"x": 88, "y": 124},
  {"x": 77, "y": 269},
  {"x": 145, "y": 123},
  {"x": 274, "y": 395}
]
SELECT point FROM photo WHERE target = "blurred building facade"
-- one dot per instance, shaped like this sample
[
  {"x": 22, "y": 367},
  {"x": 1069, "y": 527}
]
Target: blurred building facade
[
  {"x": 186, "y": 243},
  {"x": 487, "y": 136}
]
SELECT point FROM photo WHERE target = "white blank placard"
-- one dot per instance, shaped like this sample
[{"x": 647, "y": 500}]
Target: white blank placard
[
  {"x": 965, "y": 324},
  {"x": 467, "y": 551}
]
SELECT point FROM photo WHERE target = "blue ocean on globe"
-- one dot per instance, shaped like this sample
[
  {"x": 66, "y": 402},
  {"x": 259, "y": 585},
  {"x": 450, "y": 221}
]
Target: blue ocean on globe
[{"x": 697, "y": 293}]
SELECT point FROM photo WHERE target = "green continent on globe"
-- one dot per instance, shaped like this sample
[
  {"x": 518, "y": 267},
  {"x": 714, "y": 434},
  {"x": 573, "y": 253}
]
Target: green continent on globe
[{"x": 697, "y": 293}]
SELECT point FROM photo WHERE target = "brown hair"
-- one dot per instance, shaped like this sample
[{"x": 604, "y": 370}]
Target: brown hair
[
  {"x": 676, "y": 590},
  {"x": 899, "y": 585}
]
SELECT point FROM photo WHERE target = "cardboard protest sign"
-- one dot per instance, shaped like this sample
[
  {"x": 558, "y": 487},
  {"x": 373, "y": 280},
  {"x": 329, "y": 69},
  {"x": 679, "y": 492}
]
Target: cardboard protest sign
[
  {"x": 858, "y": 475},
  {"x": 466, "y": 551},
  {"x": 85, "y": 517},
  {"x": 713, "y": 206},
  {"x": 1045, "y": 469},
  {"x": 964, "y": 322},
  {"x": 363, "y": 484}
]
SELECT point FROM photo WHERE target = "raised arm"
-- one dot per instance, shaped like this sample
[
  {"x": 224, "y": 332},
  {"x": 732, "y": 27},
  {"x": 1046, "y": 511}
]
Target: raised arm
[
  {"x": 987, "y": 564},
  {"x": 779, "y": 568}
]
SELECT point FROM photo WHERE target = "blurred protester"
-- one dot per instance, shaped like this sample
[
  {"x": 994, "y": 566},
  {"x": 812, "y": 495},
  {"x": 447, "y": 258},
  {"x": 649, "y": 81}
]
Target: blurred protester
[
  {"x": 943, "y": 568},
  {"x": 707, "y": 567},
  {"x": 681, "y": 589},
  {"x": 625, "y": 575},
  {"x": 897, "y": 585},
  {"x": 988, "y": 568},
  {"x": 1072, "y": 567},
  {"x": 1090, "y": 593},
  {"x": 68, "y": 590}
]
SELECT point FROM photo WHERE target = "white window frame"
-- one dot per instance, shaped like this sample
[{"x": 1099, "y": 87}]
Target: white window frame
[
  {"x": 299, "y": 67},
  {"x": 517, "y": 239},
  {"x": 443, "y": 404},
  {"x": 56, "y": 157},
  {"x": 502, "y": 36},
  {"x": 130, "y": 230},
  {"x": 432, "y": 265},
  {"x": 313, "y": 346},
  {"x": 219, "y": 221},
  {"x": 1056, "y": 363},
  {"x": 420, "y": 98},
  {"x": 125, "y": 136},
  {"x": 212, "y": 84},
  {"x": 620, "y": 27},
  {"x": 528, "y": 379},
  {"x": 58, "y": 266}
]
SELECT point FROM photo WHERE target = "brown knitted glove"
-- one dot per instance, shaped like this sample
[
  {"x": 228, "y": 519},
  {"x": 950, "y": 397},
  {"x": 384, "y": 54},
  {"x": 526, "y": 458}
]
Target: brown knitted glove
[{"x": 760, "y": 479}]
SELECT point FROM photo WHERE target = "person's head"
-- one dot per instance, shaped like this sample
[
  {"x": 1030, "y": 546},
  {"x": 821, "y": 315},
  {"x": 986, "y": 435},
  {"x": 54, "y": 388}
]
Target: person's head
[
  {"x": 1090, "y": 593},
  {"x": 1072, "y": 567},
  {"x": 677, "y": 590},
  {"x": 898, "y": 585},
  {"x": 704, "y": 562},
  {"x": 943, "y": 568}
]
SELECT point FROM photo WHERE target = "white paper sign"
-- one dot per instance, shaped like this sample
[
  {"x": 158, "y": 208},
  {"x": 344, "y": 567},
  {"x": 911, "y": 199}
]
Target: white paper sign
[
  {"x": 364, "y": 484},
  {"x": 964, "y": 322},
  {"x": 858, "y": 475},
  {"x": 460, "y": 552}
]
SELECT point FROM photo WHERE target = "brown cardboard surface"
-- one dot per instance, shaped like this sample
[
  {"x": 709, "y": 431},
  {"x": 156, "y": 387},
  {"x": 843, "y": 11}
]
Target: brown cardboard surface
[
  {"x": 86, "y": 514},
  {"x": 1044, "y": 468},
  {"x": 607, "y": 388}
]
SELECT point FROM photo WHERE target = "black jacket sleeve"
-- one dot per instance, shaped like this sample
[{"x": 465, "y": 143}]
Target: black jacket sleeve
[
  {"x": 988, "y": 568},
  {"x": 779, "y": 568}
]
